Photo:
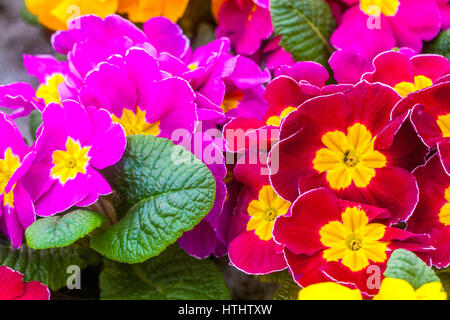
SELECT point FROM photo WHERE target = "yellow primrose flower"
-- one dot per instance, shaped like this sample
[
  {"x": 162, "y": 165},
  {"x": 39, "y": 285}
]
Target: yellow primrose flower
[
  {"x": 390, "y": 289},
  {"x": 55, "y": 14},
  {"x": 142, "y": 10}
]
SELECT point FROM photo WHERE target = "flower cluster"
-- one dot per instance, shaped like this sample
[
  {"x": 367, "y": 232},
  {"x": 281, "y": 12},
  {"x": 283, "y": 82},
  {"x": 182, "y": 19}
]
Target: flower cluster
[{"x": 325, "y": 180}]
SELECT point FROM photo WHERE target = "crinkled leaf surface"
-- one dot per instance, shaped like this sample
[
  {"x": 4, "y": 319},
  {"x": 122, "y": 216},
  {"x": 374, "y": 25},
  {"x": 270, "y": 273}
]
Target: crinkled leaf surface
[
  {"x": 440, "y": 44},
  {"x": 287, "y": 289},
  {"x": 164, "y": 191},
  {"x": 405, "y": 265},
  {"x": 47, "y": 266},
  {"x": 62, "y": 231},
  {"x": 171, "y": 275},
  {"x": 305, "y": 27}
]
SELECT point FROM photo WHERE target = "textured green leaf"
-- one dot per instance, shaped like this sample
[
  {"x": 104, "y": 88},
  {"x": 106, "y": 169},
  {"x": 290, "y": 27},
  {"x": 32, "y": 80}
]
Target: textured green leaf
[
  {"x": 440, "y": 45},
  {"x": 405, "y": 265},
  {"x": 62, "y": 231},
  {"x": 170, "y": 276},
  {"x": 287, "y": 289},
  {"x": 164, "y": 192},
  {"x": 305, "y": 27},
  {"x": 47, "y": 266},
  {"x": 35, "y": 121}
]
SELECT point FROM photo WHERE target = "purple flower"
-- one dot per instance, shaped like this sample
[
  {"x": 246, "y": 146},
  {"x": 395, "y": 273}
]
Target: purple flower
[
  {"x": 403, "y": 23},
  {"x": 133, "y": 89},
  {"x": 73, "y": 144},
  {"x": 246, "y": 22},
  {"x": 16, "y": 207},
  {"x": 203, "y": 240}
]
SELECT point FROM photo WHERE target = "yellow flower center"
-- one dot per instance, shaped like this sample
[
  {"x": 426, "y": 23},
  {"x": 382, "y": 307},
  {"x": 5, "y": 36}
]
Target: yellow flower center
[
  {"x": 193, "y": 66},
  {"x": 136, "y": 123},
  {"x": 444, "y": 213},
  {"x": 354, "y": 241},
  {"x": 49, "y": 91},
  {"x": 375, "y": 7},
  {"x": 231, "y": 101},
  {"x": 8, "y": 165},
  {"x": 420, "y": 82},
  {"x": 69, "y": 163},
  {"x": 276, "y": 120},
  {"x": 348, "y": 158},
  {"x": 264, "y": 211},
  {"x": 443, "y": 122}
]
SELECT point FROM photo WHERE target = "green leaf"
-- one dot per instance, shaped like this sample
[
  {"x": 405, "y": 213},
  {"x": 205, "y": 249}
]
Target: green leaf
[
  {"x": 170, "y": 276},
  {"x": 62, "y": 231},
  {"x": 165, "y": 191},
  {"x": 35, "y": 121},
  {"x": 305, "y": 27},
  {"x": 287, "y": 289},
  {"x": 47, "y": 266},
  {"x": 440, "y": 45},
  {"x": 405, "y": 265}
]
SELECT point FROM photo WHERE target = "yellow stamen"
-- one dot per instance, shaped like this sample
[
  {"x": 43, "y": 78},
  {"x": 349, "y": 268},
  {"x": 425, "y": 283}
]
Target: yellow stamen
[
  {"x": 276, "y": 120},
  {"x": 264, "y": 211},
  {"x": 354, "y": 241},
  {"x": 231, "y": 101},
  {"x": 49, "y": 91},
  {"x": 136, "y": 123},
  {"x": 386, "y": 7},
  {"x": 348, "y": 158},
  {"x": 444, "y": 213},
  {"x": 420, "y": 82},
  {"x": 443, "y": 122},
  {"x": 69, "y": 163}
]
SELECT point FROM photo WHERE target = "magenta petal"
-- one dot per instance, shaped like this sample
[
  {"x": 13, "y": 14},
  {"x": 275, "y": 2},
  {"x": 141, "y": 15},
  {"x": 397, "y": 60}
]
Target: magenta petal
[
  {"x": 201, "y": 241},
  {"x": 252, "y": 255}
]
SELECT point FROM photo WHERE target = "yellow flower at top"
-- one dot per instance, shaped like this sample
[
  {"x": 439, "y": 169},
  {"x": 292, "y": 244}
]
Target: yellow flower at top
[
  {"x": 142, "y": 10},
  {"x": 354, "y": 241},
  {"x": 55, "y": 14},
  {"x": 349, "y": 158},
  {"x": 276, "y": 120},
  {"x": 386, "y": 7},
  {"x": 391, "y": 289},
  {"x": 264, "y": 211}
]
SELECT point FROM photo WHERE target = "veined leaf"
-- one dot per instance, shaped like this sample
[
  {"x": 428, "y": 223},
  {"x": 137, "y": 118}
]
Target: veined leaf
[
  {"x": 171, "y": 275},
  {"x": 305, "y": 27},
  {"x": 165, "y": 191},
  {"x": 47, "y": 266},
  {"x": 62, "y": 231}
]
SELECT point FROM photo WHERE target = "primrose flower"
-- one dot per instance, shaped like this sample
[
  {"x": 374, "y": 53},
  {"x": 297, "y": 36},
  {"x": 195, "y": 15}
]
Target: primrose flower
[
  {"x": 142, "y": 10},
  {"x": 390, "y": 289},
  {"x": 432, "y": 215},
  {"x": 408, "y": 74},
  {"x": 12, "y": 287},
  {"x": 72, "y": 145},
  {"x": 16, "y": 208},
  {"x": 246, "y": 22},
  {"x": 292, "y": 86},
  {"x": 133, "y": 90},
  {"x": 430, "y": 117},
  {"x": 202, "y": 241},
  {"x": 252, "y": 248},
  {"x": 56, "y": 15},
  {"x": 373, "y": 26},
  {"x": 329, "y": 239},
  {"x": 347, "y": 141}
]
